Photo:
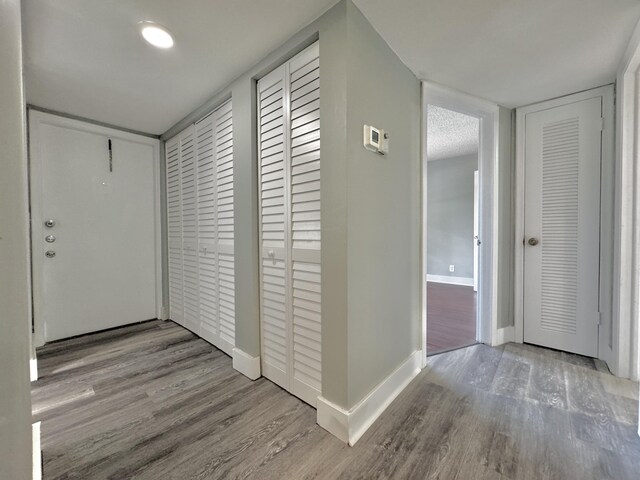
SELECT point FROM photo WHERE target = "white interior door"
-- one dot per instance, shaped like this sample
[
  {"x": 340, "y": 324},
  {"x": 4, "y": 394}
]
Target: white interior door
[
  {"x": 214, "y": 136},
  {"x": 103, "y": 235},
  {"x": 174, "y": 230},
  {"x": 290, "y": 278},
  {"x": 476, "y": 228},
  {"x": 201, "y": 228},
  {"x": 562, "y": 214},
  {"x": 274, "y": 225}
]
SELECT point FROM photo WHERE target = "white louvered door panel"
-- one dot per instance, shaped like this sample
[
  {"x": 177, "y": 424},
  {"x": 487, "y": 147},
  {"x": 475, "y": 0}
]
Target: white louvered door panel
[
  {"x": 562, "y": 211},
  {"x": 223, "y": 133},
  {"x": 189, "y": 229},
  {"x": 289, "y": 146},
  {"x": 207, "y": 252},
  {"x": 304, "y": 174},
  {"x": 273, "y": 227},
  {"x": 174, "y": 229}
]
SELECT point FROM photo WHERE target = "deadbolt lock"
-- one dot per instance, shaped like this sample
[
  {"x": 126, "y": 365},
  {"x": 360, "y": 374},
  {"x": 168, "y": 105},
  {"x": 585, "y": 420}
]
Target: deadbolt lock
[
  {"x": 49, "y": 223},
  {"x": 50, "y": 238},
  {"x": 533, "y": 241}
]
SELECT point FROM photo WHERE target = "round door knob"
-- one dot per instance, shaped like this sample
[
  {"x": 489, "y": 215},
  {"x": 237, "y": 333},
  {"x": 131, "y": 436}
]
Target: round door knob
[
  {"x": 533, "y": 241},
  {"x": 50, "y": 238},
  {"x": 272, "y": 254},
  {"x": 50, "y": 254},
  {"x": 49, "y": 223}
]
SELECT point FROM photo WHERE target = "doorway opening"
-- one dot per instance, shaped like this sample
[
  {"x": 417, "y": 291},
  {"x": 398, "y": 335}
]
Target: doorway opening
[
  {"x": 486, "y": 118},
  {"x": 453, "y": 236}
]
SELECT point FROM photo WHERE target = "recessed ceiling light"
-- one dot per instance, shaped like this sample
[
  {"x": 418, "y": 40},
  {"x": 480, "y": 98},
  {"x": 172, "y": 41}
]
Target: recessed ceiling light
[{"x": 156, "y": 34}]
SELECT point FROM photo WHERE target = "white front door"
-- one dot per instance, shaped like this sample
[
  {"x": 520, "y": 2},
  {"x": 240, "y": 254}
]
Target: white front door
[
  {"x": 562, "y": 215},
  {"x": 95, "y": 261}
]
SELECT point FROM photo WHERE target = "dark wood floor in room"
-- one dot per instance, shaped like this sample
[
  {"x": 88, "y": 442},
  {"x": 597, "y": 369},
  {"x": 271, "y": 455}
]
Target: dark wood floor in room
[
  {"x": 152, "y": 401},
  {"x": 451, "y": 317}
]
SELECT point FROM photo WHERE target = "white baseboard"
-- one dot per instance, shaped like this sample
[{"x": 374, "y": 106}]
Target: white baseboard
[
  {"x": 350, "y": 425},
  {"x": 503, "y": 335},
  {"x": 36, "y": 451},
  {"x": 33, "y": 369},
  {"x": 246, "y": 364},
  {"x": 467, "y": 282}
]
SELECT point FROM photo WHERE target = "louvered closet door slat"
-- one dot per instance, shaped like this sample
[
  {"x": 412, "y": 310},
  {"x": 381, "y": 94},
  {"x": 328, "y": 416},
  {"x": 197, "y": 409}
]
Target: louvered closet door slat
[
  {"x": 189, "y": 229},
  {"x": 223, "y": 132},
  {"x": 305, "y": 224},
  {"x": 275, "y": 337},
  {"x": 174, "y": 229},
  {"x": 207, "y": 233}
]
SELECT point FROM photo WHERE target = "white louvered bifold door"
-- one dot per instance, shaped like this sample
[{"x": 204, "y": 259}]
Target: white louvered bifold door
[
  {"x": 207, "y": 255},
  {"x": 273, "y": 225},
  {"x": 289, "y": 145},
  {"x": 562, "y": 212},
  {"x": 201, "y": 229},
  {"x": 304, "y": 75},
  {"x": 223, "y": 135},
  {"x": 214, "y": 153},
  {"x": 174, "y": 229},
  {"x": 189, "y": 229}
]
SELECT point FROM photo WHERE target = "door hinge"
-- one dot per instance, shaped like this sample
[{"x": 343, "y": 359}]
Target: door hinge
[
  {"x": 601, "y": 124},
  {"x": 598, "y": 318}
]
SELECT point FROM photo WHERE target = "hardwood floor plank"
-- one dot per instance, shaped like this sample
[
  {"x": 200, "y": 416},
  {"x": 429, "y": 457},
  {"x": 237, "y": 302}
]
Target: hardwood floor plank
[
  {"x": 451, "y": 317},
  {"x": 153, "y": 401}
]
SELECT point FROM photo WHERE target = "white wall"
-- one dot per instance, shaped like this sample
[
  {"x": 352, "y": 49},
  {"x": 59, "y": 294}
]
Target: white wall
[
  {"x": 627, "y": 222},
  {"x": 382, "y": 210},
  {"x": 450, "y": 204},
  {"x": 506, "y": 225},
  {"x": 626, "y": 271},
  {"x": 15, "y": 398}
]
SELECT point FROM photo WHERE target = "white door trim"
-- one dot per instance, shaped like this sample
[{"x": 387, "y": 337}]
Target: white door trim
[
  {"x": 606, "y": 93},
  {"x": 488, "y": 163},
  {"x": 626, "y": 294},
  {"x": 36, "y": 119}
]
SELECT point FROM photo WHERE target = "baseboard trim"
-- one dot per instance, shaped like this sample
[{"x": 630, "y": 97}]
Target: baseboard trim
[
  {"x": 246, "y": 364},
  {"x": 503, "y": 335},
  {"x": 350, "y": 425},
  {"x": 33, "y": 368},
  {"x": 36, "y": 452},
  {"x": 467, "y": 282}
]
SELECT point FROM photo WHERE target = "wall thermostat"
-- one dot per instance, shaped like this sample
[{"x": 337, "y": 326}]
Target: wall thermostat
[{"x": 375, "y": 140}]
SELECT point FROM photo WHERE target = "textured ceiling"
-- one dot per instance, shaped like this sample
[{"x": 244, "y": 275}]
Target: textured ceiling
[{"x": 450, "y": 134}]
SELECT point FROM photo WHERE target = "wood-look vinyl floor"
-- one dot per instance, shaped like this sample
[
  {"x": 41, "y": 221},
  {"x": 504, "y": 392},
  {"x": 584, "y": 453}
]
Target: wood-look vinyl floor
[
  {"x": 451, "y": 317},
  {"x": 152, "y": 401}
]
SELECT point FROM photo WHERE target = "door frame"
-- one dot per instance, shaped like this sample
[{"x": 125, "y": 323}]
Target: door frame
[
  {"x": 35, "y": 120},
  {"x": 488, "y": 166},
  {"x": 605, "y": 350}
]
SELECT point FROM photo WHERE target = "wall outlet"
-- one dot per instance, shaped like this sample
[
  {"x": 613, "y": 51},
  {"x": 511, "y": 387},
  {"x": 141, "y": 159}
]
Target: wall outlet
[{"x": 452, "y": 268}]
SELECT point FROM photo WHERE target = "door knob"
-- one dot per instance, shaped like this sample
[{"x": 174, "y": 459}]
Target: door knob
[
  {"x": 50, "y": 238},
  {"x": 49, "y": 223},
  {"x": 478, "y": 241},
  {"x": 50, "y": 254},
  {"x": 533, "y": 241}
]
